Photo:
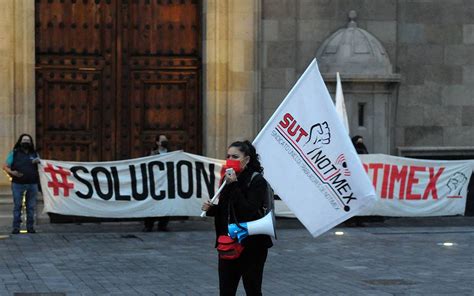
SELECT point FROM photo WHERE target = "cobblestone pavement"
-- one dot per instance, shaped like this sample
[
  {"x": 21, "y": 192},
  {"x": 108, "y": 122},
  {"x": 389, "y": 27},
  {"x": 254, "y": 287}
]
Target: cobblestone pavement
[{"x": 399, "y": 257}]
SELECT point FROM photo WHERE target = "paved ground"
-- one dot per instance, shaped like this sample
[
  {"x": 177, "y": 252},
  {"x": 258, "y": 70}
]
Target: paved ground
[{"x": 398, "y": 257}]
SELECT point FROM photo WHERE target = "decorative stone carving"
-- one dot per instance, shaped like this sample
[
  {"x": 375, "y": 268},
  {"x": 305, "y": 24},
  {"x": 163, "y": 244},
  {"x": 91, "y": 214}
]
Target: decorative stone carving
[{"x": 368, "y": 83}]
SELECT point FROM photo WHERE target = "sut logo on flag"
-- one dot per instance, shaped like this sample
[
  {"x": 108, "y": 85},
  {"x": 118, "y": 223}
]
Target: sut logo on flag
[
  {"x": 309, "y": 149},
  {"x": 318, "y": 174}
]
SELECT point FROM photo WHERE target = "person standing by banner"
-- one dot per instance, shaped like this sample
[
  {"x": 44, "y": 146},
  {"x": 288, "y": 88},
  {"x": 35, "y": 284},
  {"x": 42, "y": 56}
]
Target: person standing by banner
[
  {"x": 161, "y": 147},
  {"x": 241, "y": 200},
  {"x": 358, "y": 142},
  {"x": 359, "y": 145},
  {"x": 22, "y": 166}
]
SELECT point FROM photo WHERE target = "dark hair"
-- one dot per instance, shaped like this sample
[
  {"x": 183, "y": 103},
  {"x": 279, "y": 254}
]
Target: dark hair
[
  {"x": 249, "y": 150},
  {"x": 157, "y": 139},
  {"x": 18, "y": 142},
  {"x": 360, "y": 147},
  {"x": 355, "y": 138}
]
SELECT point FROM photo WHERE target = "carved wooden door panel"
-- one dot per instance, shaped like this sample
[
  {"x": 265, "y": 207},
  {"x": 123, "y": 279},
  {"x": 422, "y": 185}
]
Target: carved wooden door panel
[
  {"x": 160, "y": 68},
  {"x": 76, "y": 79},
  {"x": 111, "y": 74}
]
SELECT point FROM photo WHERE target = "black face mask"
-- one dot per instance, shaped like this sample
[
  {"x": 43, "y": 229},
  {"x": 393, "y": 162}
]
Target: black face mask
[
  {"x": 164, "y": 144},
  {"x": 26, "y": 146}
]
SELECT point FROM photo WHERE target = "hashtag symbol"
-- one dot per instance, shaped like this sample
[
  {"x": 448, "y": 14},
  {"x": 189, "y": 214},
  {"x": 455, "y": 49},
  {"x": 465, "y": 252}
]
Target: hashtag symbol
[{"x": 55, "y": 183}]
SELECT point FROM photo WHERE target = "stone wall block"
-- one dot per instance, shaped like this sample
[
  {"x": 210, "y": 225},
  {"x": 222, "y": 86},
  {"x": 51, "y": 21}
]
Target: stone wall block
[
  {"x": 278, "y": 9},
  {"x": 458, "y": 136},
  {"x": 421, "y": 54},
  {"x": 444, "y": 74},
  {"x": 458, "y": 95},
  {"x": 274, "y": 77},
  {"x": 280, "y": 54},
  {"x": 272, "y": 97},
  {"x": 384, "y": 10},
  {"x": 426, "y": 54},
  {"x": 317, "y": 9},
  {"x": 241, "y": 56},
  {"x": 468, "y": 75},
  {"x": 468, "y": 116},
  {"x": 468, "y": 12},
  {"x": 238, "y": 104},
  {"x": 240, "y": 81},
  {"x": 468, "y": 33},
  {"x": 270, "y": 30},
  {"x": 412, "y": 74},
  {"x": 421, "y": 95},
  {"x": 412, "y": 33},
  {"x": 315, "y": 30},
  {"x": 400, "y": 136},
  {"x": 437, "y": 115},
  {"x": 410, "y": 116},
  {"x": 450, "y": 13},
  {"x": 385, "y": 31},
  {"x": 287, "y": 30},
  {"x": 459, "y": 55},
  {"x": 444, "y": 33},
  {"x": 290, "y": 78},
  {"x": 427, "y": 12},
  {"x": 267, "y": 113},
  {"x": 243, "y": 6},
  {"x": 242, "y": 27},
  {"x": 305, "y": 53},
  {"x": 424, "y": 136}
]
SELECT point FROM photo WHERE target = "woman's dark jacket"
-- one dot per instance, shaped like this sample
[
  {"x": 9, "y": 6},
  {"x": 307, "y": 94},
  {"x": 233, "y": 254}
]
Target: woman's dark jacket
[{"x": 246, "y": 199}]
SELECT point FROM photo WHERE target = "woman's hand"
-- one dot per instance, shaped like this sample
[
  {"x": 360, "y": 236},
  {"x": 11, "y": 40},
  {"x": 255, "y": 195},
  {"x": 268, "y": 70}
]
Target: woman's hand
[
  {"x": 230, "y": 176},
  {"x": 206, "y": 206},
  {"x": 16, "y": 174}
]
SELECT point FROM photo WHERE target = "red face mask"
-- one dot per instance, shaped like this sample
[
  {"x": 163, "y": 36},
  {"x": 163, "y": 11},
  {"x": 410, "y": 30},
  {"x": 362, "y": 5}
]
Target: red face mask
[{"x": 234, "y": 164}]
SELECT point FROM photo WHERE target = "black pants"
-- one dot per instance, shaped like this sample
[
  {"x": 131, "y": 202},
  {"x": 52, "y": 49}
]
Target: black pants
[
  {"x": 249, "y": 267},
  {"x": 162, "y": 222}
]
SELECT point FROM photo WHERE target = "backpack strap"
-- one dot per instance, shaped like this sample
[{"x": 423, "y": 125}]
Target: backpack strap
[{"x": 254, "y": 174}]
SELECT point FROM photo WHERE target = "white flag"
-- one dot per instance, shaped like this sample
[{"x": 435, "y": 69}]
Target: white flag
[
  {"x": 340, "y": 105},
  {"x": 309, "y": 159}
]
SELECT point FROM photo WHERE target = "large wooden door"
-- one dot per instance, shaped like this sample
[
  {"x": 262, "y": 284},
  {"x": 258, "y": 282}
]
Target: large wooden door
[
  {"x": 160, "y": 48},
  {"x": 111, "y": 74}
]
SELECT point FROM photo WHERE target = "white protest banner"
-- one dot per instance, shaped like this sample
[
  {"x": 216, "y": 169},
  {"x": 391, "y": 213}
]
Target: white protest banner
[
  {"x": 309, "y": 159},
  {"x": 171, "y": 184},
  {"x": 408, "y": 187}
]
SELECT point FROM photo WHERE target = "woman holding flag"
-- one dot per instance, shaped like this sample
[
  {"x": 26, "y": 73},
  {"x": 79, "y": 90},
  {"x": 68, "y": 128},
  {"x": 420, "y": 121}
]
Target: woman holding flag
[{"x": 241, "y": 200}]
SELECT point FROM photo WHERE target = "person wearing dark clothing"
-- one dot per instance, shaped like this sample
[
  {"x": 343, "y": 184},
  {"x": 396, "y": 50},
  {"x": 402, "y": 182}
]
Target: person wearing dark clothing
[
  {"x": 242, "y": 200},
  {"x": 22, "y": 166},
  {"x": 359, "y": 145},
  {"x": 161, "y": 147},
  {"x": 358, "y": 142}
]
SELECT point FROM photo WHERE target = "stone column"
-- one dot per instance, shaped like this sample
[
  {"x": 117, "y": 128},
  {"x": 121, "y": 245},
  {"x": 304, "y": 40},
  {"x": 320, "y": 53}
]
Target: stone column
[
  {"x": 231, "y": 73},
  {"x": 17, "y": 90}
]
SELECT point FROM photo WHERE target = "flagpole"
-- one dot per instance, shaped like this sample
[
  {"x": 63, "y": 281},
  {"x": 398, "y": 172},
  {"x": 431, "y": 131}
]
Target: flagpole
[
  {"x": 340, "y": 104},
  {"x": 215, "y": 196}
]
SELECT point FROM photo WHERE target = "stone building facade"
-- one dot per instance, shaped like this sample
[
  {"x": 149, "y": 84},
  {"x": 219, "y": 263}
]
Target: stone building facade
[
  {"x": 430, "y": 46},
  {"x": 254, "y": 51}
]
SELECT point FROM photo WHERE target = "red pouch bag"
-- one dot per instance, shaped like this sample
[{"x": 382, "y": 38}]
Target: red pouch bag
[{"x": 228, "y": 248}]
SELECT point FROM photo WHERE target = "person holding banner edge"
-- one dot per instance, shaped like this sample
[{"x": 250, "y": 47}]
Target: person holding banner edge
[
  {"x": 22, "y": 166},
  {"x": 161, "y": 147},
  {"x": 241, "y": 200}
]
